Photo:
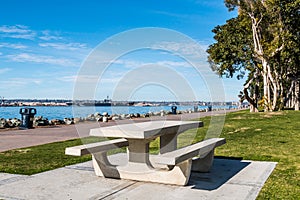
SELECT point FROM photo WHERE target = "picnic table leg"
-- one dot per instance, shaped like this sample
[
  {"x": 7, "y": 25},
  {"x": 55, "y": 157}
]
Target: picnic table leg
[
  {"x": 168, "y": 143},
  {"x": 179, "y": 175},
  {"x": 103, "y": 167},
  {"x": 138, "y": 151},
  {"x": 204, "y": 162},
  {"x": 139, "y": 166}
]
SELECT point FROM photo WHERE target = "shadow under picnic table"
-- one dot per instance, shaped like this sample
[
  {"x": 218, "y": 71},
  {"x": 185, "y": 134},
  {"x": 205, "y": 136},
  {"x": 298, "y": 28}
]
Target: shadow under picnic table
[{"x": 223, "y": 170}]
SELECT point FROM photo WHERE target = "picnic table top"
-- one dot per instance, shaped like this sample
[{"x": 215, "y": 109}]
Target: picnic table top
[{"x": 145, "y": 130}]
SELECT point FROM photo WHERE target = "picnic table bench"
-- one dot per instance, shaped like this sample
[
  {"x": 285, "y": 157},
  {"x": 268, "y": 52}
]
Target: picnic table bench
[{"x": 171, "y": 166}]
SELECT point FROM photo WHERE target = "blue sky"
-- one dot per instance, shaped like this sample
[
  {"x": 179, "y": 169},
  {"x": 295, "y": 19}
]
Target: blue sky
[{"x": 44, "y": 44}]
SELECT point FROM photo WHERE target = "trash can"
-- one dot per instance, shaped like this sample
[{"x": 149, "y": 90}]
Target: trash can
[
  {"x": 209, "y": 108},
  {"x": 174, "y": 108},
  {"x": 195, "y": 108},
  {"x": 27, "y": 117}
]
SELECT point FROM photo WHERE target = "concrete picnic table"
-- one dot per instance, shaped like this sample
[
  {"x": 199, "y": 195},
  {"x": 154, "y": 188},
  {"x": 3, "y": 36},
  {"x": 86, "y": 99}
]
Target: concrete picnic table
[{"x": 171, "y": 166}]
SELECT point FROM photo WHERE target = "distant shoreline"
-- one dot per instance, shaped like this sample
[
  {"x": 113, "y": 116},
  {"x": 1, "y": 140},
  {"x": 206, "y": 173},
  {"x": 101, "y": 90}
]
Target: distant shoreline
[{"x": 106, "y": 102}]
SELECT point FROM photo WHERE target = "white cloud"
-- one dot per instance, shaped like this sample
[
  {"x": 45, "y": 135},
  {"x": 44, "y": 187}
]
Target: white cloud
[
  {"x": 110, "y": 80},
  {"x": 12, "y": 46},
  {"x": 195, "y": 49},
  {"x": 17, "y": 31},
  {"x": 192, "y": 52},
  {"x": 80, "y": 78},
  {"x": 128, "y": 63},
  {"x": 134, "y": 63},
  {"x": 63, "y": 46},
  {"x": 173, "y": 64},
  {"x": 14, "y": 29},
  {"x": 67, "y": 78},
  {"x": 24, "y": 57},
  {"x": 21, "y": 36},
  {"x": 4, "y": 70},
  {"x": 38, "y": 82},
  {"x": 89, "y": 79},
  {"x": 49, "y": 35},
  {"x": 19, "y": 82}
]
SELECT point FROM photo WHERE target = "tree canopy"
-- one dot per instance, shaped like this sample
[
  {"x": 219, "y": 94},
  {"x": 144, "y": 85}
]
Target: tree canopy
[{"x": 262, "y": 43}]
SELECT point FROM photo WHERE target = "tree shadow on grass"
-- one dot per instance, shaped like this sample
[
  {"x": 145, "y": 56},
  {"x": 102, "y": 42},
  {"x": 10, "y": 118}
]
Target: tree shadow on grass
[{"x": 223, "y": 169}]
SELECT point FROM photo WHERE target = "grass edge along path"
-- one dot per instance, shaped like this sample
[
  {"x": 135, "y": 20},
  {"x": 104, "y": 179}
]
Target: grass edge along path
[{"x": 251, "y": 136}]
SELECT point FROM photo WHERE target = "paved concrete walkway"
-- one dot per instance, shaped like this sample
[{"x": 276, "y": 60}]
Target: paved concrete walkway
[
  {"x": 13, "y": 139},
  {"x": 228, "y": 179}
]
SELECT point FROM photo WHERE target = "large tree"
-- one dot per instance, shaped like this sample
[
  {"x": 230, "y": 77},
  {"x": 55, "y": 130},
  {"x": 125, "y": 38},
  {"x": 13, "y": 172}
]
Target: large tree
[
  {"x": 262, "y": 40},
  {"x": 233, "y": 55}
]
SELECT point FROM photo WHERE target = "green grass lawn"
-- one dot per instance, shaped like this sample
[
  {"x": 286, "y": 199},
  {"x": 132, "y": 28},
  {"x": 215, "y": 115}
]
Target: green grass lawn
[
  {"x": 252, "y": 136},
  {"x": 267, "y": 137}
]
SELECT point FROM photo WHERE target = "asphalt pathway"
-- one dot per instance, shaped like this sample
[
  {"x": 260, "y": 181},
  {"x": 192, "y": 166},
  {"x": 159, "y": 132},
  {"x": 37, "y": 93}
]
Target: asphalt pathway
[{"x": 13, "y": 139}]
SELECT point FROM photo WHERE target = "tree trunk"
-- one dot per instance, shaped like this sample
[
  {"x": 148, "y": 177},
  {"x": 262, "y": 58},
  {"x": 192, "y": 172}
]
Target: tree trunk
[
  {"x": 252, "y": 101},
  {"x": 253, "y": 108},
  {"x": 288, "y": 102},
  {"x": 266, "y": 96},
  {"x": 297, "y": 96},
  {"x": 258, "y": 49},
  {"x": 270, "y": 85},
  {"x": 275, "y": 87}
]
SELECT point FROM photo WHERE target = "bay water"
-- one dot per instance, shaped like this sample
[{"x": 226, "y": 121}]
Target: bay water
[{"x": 61, "y": 112}]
